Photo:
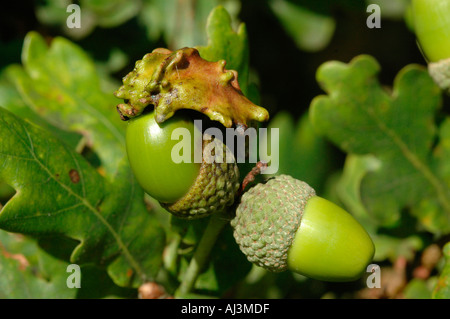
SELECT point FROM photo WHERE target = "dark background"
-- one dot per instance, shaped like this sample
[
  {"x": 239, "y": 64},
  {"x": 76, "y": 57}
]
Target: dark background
[{"x": 286, "y": 73}]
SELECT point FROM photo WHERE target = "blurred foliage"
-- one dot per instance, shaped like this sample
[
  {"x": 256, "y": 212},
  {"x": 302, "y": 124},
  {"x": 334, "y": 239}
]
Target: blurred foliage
[
  {"x": 442, "y": 288},
  {"x": 377, "y": 143}
]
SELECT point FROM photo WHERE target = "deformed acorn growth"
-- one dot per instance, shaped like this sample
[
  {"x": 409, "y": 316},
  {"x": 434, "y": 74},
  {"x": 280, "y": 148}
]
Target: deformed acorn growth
[
  {"x": 283, "y": 225},
  {"x": 181, "y": 79},
  {"x": 160, "y": 84}
]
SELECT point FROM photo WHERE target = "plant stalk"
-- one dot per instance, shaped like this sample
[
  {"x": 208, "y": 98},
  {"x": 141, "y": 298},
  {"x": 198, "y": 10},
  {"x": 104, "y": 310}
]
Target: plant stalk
[{"x": 202, "y": 252}]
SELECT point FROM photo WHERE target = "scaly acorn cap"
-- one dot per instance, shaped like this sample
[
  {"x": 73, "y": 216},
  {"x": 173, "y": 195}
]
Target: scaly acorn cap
[
  {"x": 216, "y": 184},
  {"x": 267, "y": 220},
  {"x": 169, "y": 81},
  {"x": 283, "y": 225}
]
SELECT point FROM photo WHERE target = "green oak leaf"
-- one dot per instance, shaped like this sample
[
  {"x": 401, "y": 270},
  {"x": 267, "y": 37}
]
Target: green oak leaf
[
  {"x": 356, "y": 167},
  {"x": 397, "y": 128},
  {"x": 20, "y": 273},
  {"x": 226, "y": 44},
  {"x": 429, "y": 209},
  {"x": 442, "y": 152},
  {"x": 181, "y": 23},
  {"x": 29, "y": 271},
  {"x": 60, "y": 83},
  {"x": 59, "y": 193},
  {"x": 11, "y": 100}
]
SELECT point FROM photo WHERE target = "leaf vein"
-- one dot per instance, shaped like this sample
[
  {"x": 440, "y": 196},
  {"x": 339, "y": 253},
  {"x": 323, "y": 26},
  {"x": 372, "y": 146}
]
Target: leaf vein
[
  {"x": 92, "y": 209},
  {"x": 414, "y": 160}
]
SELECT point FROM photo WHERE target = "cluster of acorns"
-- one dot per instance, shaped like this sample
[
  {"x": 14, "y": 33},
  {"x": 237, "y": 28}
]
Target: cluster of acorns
[{"x": 279, "y": 224}]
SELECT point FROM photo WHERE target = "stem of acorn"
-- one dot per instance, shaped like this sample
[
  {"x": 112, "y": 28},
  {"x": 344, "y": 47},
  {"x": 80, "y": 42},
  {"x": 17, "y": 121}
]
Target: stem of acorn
[
  {"x": 209, "y": 238},
  {"x": 260, "y": 166},
  {"x": 202, "y": 252}
]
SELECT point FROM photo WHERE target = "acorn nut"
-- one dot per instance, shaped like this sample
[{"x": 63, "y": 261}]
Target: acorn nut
[{"x": 283, "y": 225}]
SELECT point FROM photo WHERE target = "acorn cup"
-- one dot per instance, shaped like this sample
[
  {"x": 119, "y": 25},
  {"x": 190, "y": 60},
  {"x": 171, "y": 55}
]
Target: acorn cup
[{"x": 283, "y": 225}]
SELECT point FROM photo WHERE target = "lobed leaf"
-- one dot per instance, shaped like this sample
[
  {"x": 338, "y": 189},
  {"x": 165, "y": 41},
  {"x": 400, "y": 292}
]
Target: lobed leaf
[
  {"x": 11, "y": 100},
  {"x": 397, "y": 129},
  {"x": 20, "y": 273},
  {"x": 27, "y": 271},
  {"x": 226, "y": 44},
  {"x": 60, "y": 84}
]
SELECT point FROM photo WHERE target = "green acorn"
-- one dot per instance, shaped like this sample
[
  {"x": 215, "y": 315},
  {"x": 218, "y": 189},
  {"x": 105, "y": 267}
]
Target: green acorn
[
  {"x": 160, "y": 85},
  {"x": 432, "y": 27},
  {"x": 186, "y": 189},
  {"x": 283, "y": 225}
]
